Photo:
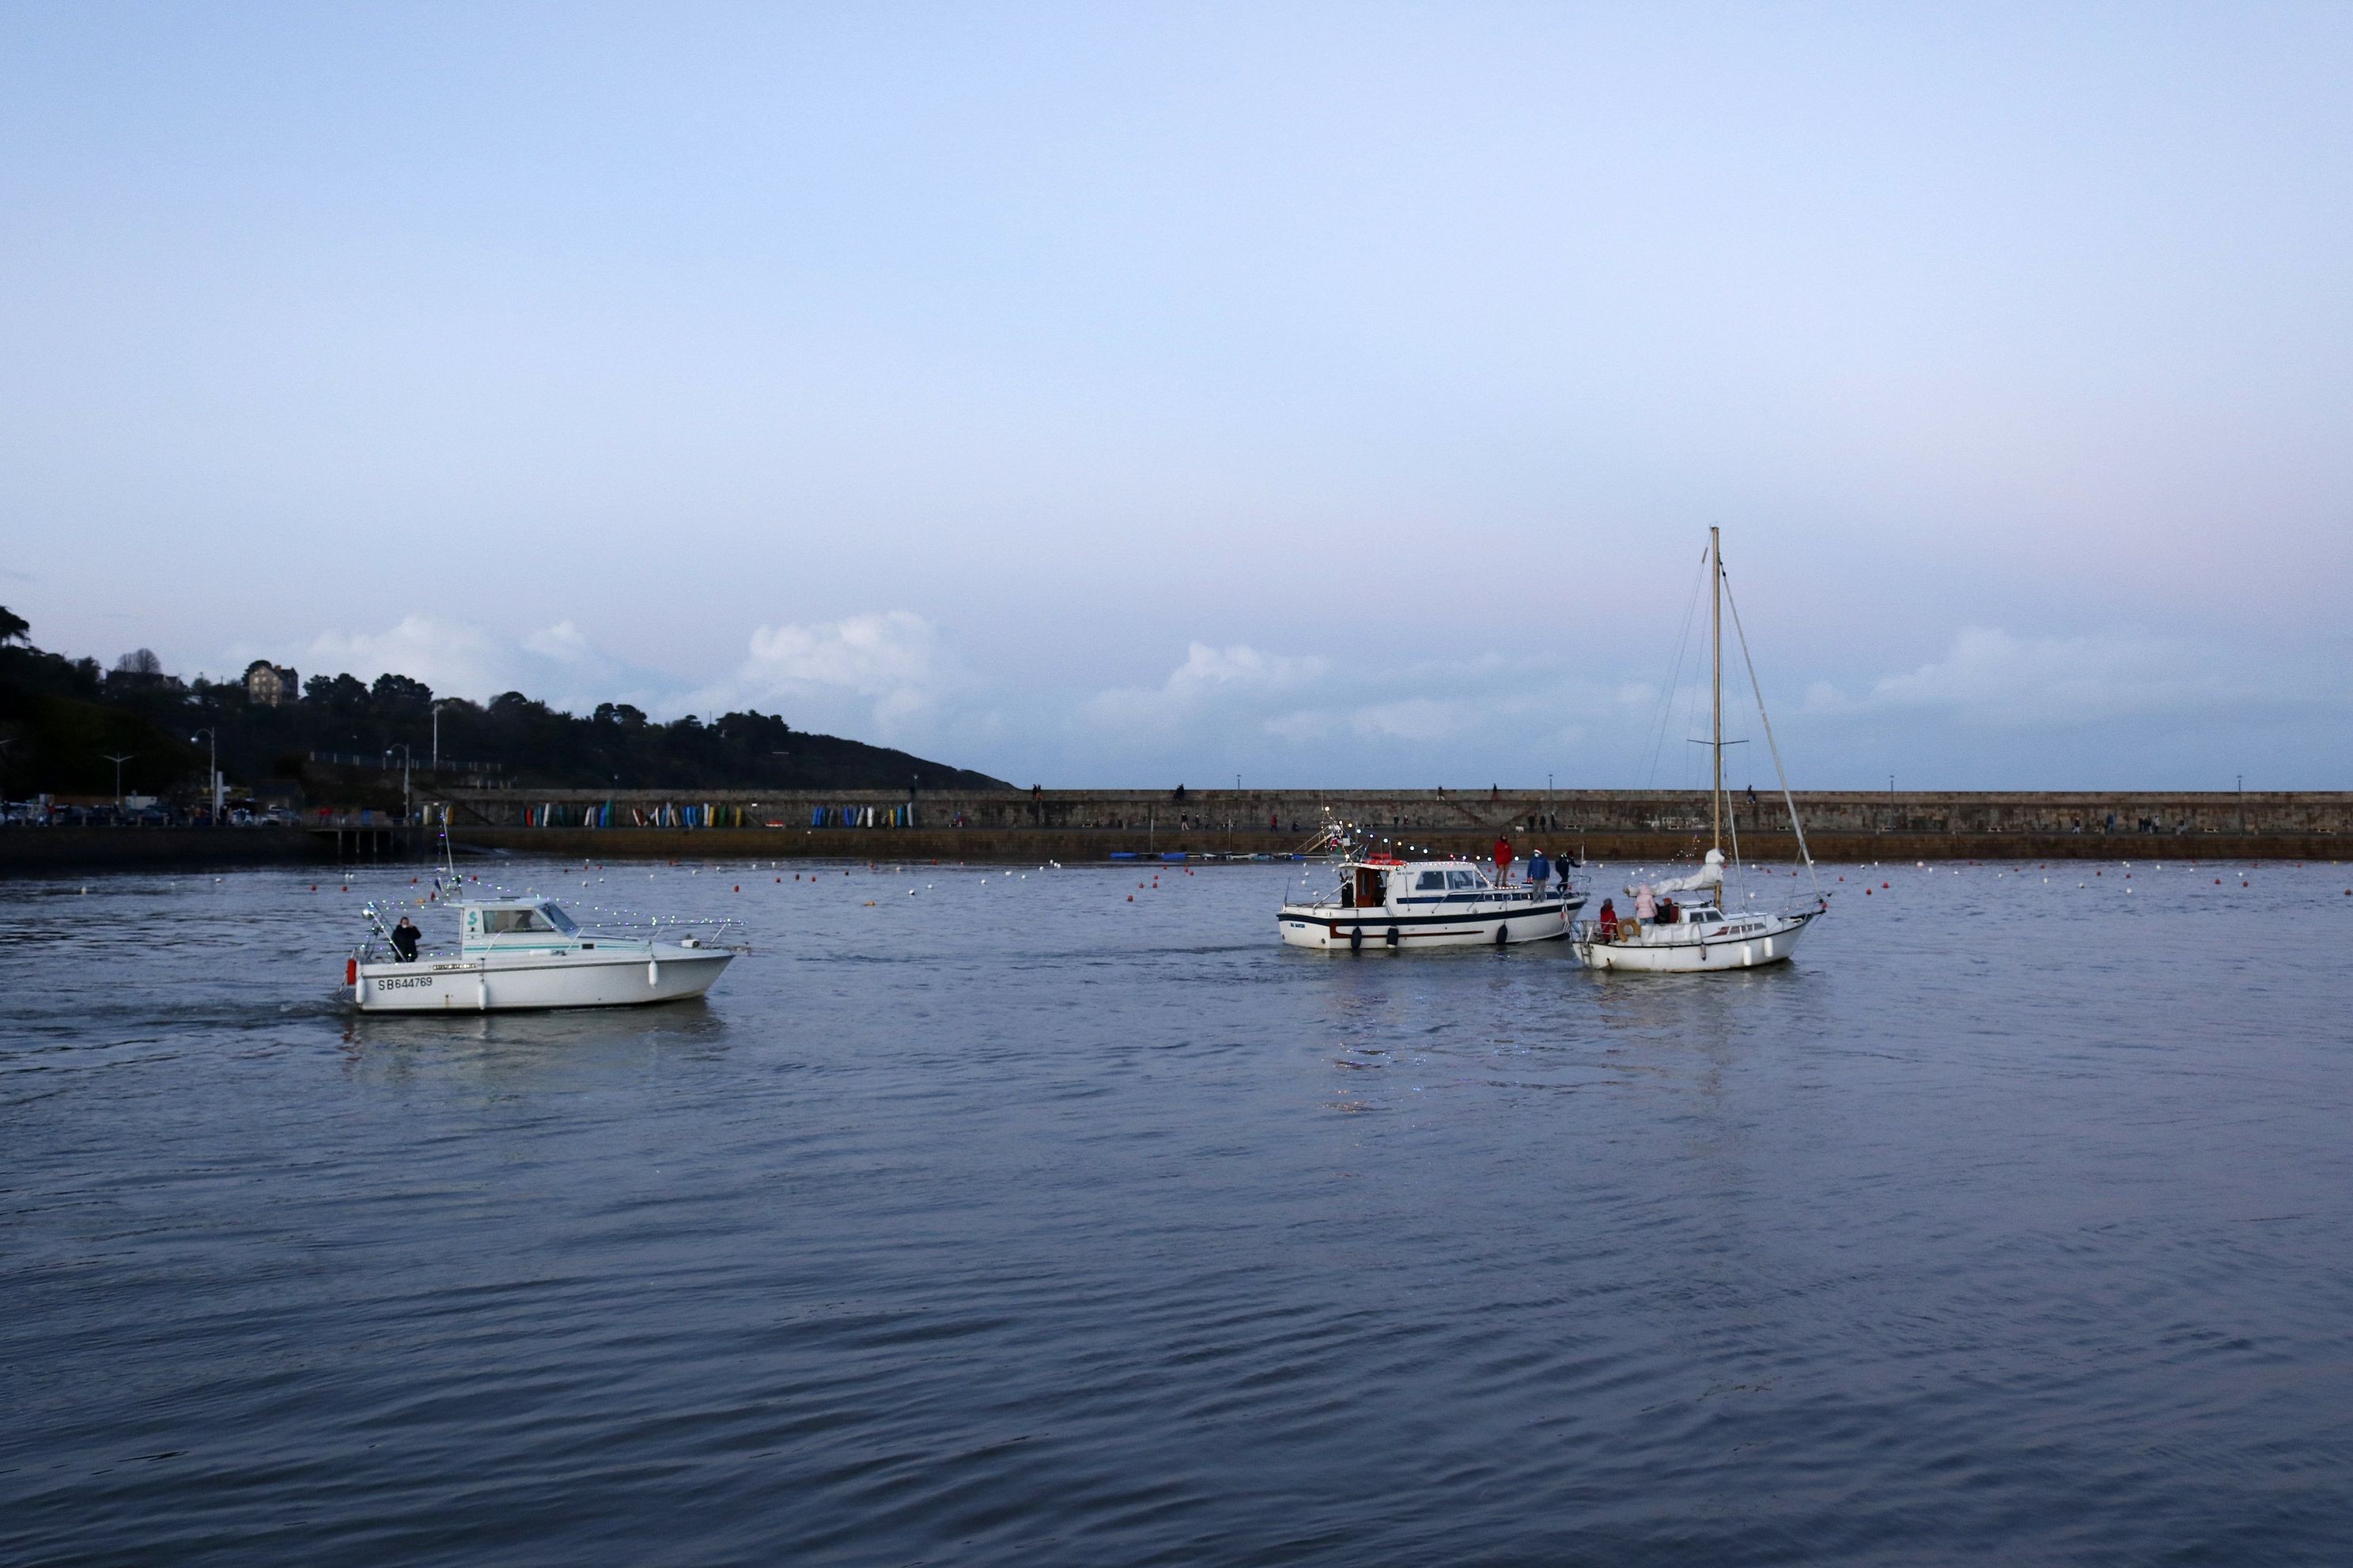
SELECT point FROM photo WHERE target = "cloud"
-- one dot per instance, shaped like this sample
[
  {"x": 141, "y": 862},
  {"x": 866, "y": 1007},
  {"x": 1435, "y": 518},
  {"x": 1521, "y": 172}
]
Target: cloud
[
  {"x": 563, "y": 641},
  {"x": 889, "y": 667},
  {"x": 1221, "y": 677},
  {"x": 1415, "y": 719},
  {"x": 558, "y": 664},
  {"x": 1317, "y": 717},
  {"x": 1992, "y": 676}
]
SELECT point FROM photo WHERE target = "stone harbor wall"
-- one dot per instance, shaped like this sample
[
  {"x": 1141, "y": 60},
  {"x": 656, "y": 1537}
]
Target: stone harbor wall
[
  {"x": 1093, "y": 827},
  {"x": 1408, "y": 812}
]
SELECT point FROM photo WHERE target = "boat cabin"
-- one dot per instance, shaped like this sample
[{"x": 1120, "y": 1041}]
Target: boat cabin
[
  {"x": 1425, "y": 887},
  {"x": 517, "y": 925}
]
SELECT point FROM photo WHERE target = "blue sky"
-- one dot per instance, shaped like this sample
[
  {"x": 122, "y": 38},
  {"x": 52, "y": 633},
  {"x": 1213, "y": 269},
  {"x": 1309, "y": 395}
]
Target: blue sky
[{"x": 1098, "y": 394}]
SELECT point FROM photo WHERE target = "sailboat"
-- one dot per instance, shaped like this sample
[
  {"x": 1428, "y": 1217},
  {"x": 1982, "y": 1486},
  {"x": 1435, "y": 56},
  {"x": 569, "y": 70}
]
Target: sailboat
[{"x": 1703, "y": 936}]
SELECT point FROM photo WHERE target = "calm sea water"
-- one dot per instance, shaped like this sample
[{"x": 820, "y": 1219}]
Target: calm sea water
[{"x": 1013, "y": 1221}]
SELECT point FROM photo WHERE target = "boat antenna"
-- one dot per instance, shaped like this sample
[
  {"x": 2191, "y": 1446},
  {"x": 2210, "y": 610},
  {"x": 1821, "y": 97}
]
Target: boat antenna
[{"x": 1781, "y": 772}]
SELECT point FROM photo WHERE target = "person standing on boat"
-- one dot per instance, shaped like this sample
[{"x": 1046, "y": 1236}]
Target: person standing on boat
[
  {"x": 1502, "y": 860},
  {"x": 1646, "y": 904},
  {"x": 1539, "y": 869},
  {"x": 404, "y": 941},
  {"x": 1609, "y": 922}
]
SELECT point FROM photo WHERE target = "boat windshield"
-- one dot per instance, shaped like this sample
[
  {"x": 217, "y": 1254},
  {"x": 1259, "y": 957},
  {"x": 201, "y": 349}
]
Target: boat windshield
[
  {"x": 1463, "y": 879},
  {"x": 546, "y": 918}
]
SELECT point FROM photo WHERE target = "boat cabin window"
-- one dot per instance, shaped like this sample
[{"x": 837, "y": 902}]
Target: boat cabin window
[
  {"x": 1430, "y": 880},
  {"x": 1463, "y": 878},
  {"x": 564, "y": 923},
  {"x": 503, "y": 922}
]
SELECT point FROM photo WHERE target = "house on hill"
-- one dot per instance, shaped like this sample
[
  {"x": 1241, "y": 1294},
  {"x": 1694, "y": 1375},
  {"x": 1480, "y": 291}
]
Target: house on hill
[{"x": 269, "y": 684}]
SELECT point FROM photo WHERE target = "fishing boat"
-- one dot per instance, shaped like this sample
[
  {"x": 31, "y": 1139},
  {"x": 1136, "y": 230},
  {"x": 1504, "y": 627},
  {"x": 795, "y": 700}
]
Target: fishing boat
[
  {"x": 527, "y": 953},
  {"x": 1390, "y": 905},
  {"x": 1705, "y": 937}
]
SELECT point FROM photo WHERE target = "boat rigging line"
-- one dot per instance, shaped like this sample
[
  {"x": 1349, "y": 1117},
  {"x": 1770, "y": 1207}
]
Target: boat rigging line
[{"x": 1758, "y": 687}]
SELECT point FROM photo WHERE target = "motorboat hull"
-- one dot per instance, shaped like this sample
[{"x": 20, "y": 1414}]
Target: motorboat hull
[
  {"x": 1746, "y": 943},
  {"x": 1328, "y": 928},
  {"x": 499, "y": 984}
]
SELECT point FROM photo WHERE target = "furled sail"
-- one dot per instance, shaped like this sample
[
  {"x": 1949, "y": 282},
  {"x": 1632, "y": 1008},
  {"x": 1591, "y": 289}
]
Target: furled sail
[{"x": 1707, "y": 878}]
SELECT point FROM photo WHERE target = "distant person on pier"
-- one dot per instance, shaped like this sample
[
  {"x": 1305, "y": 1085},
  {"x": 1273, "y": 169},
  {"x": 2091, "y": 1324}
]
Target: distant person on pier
[{"x": 404, "y": 941}]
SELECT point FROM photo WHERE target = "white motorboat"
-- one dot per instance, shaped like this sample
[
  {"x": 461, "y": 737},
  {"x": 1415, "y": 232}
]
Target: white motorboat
[
  {"x": 527, "y": 953},
  {"x": 1391, "y": 905},
  {"x": 1655, "y": 934}
]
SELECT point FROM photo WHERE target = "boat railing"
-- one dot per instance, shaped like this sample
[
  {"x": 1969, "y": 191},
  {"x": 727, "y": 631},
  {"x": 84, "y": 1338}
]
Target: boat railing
[
  {"x": 1510, "y": 893},
  {"x": 707, "y": 930}
]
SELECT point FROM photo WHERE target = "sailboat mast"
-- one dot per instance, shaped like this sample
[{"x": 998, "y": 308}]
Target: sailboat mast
[{"x": 1716, "y": 636}]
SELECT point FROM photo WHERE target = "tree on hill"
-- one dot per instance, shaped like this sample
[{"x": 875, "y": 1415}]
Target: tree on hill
[{"x": 513, "y": 736}]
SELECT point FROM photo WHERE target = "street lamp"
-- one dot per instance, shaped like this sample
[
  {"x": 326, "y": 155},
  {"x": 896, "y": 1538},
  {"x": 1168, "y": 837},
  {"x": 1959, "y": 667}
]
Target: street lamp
[
  {"x": 213, "y": 778},
  {"x": 118, "y": 759},
  {"x": 438, "y": 706},
  {"x": 404, "y": 781}
]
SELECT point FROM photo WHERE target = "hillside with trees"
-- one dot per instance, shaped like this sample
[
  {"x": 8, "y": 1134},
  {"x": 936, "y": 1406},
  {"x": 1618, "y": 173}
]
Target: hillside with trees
[{"x": 62, "y": 719}]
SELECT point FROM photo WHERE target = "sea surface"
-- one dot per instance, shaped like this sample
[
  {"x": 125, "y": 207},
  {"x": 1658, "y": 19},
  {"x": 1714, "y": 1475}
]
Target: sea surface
[{"x": 1059, "y": 1217}]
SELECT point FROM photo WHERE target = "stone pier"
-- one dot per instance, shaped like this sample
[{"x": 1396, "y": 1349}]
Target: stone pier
[{"x": 1081, "y": 826}]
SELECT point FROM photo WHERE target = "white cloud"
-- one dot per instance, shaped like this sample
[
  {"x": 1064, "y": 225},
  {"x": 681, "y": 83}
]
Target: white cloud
[
  {"x": 1222, "y": 677},
  {"x": 558, "y": 664},
  {"x": 1415, "y": 718},
  {"x": 1312, "y": 717},
  {"x": 562, "y": 641},
  {"x": 1989, "y": 676},
  {"x": 889, "y": 667}
]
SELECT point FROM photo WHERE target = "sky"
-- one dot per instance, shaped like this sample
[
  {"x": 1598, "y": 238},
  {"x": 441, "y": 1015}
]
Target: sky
[{"x": 1134, "y": 395}]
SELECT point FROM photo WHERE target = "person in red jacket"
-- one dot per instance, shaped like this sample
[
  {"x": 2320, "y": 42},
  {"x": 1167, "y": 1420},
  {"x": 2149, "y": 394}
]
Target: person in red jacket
[
  {"x": 1609, "y": 922},
  {"x": 1503, "y": 860}
]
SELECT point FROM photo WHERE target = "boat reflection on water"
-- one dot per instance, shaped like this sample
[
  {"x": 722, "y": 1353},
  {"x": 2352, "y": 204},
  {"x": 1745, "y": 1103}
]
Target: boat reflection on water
[{"x": 515, "y": 1047}]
